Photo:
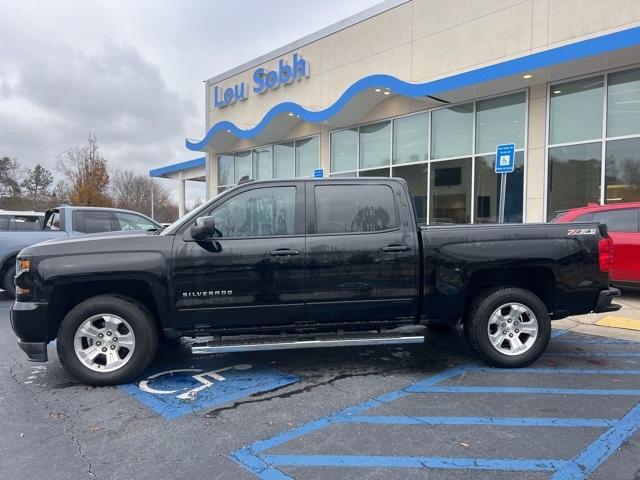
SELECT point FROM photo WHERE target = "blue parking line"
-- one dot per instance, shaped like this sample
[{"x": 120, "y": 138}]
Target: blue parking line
[
  {"x": 597, "y": 452},
  {"x": 265, "y": 466},
  {"x": 502, "y": 421},
  {"x": 602, "y": 341},
  {"x": 380, "y": 461},
  {"x": 558, "y": 333},
  {"x": 529, "y": 390},
  {"x": 592, "y": 354},
  {"x": 574, "y": 371}
]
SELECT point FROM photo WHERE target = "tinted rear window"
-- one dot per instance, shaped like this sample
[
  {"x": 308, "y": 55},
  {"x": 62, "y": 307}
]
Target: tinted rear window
[
  {"x": 619, "y": 220},
  {"x": 354, "y": 208}
]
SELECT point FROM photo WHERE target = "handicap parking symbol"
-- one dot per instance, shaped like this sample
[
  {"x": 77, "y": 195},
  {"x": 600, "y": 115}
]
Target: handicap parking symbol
[{"x": 176, "y": 390}]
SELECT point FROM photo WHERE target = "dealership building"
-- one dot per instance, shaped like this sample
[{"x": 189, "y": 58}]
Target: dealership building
[{"x": 427, "y": 90}]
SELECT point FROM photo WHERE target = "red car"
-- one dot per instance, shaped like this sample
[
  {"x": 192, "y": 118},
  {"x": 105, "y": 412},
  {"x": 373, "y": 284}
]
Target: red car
[{"x": 623, "y": 222}]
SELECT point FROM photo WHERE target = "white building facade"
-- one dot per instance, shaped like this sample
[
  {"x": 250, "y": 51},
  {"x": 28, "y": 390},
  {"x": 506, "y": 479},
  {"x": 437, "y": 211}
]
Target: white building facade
[{"x": 426, "y": 90}]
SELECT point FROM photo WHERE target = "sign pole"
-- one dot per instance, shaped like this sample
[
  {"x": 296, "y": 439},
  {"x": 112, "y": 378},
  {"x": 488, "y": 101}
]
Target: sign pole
[
  {"x": 505, "y": 164},
  {"x": 503, "y": 195}
]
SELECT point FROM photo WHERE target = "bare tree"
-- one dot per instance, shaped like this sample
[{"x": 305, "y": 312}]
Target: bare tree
[
  {"x": 87, "y": 173},
  {"x": 133, "y": 192}
]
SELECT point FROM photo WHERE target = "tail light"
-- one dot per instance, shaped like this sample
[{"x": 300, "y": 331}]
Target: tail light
[{"x": 605, "y": 254}]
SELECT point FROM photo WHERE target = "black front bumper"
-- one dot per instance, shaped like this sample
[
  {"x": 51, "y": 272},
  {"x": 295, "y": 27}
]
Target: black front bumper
[
  {"x": 604, "y": 301},
  {"x": 29, "y": 323}
]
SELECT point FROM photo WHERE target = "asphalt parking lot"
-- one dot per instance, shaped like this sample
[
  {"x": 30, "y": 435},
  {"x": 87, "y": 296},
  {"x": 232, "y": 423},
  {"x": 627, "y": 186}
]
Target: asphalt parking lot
[{"x": 398, "y": 412}]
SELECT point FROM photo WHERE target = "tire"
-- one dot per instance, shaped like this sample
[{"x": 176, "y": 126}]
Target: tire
[
  {"x": 7, "y": 280},
  {"x": 125, "y": 358},
  {"x": 502, "y": 315}
]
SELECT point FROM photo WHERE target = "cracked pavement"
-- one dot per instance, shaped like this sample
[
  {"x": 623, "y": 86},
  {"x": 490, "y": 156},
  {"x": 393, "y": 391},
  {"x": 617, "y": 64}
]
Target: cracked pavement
[{"x": 55, "y": 428}]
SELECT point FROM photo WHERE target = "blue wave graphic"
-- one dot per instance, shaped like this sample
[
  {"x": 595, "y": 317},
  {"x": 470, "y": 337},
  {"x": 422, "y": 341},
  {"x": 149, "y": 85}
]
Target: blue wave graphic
[{"x": 586, "y": 48}]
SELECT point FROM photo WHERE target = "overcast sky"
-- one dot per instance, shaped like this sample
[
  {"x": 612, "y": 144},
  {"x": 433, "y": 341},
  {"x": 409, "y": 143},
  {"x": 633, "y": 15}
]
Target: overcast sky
[{"x": 131, "y": 72}]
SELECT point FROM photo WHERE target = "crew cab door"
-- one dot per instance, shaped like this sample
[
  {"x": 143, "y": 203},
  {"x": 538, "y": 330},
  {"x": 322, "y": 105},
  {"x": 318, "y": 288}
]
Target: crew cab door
[
  {"x": 251, "y": 272},
  {"x": 362, "y": 252},
  {"x": 623, "y": 228}
]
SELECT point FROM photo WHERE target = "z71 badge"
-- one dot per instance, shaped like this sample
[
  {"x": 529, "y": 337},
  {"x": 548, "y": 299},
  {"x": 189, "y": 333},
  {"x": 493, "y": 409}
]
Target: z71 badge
[{"x": 581, "y": 231}]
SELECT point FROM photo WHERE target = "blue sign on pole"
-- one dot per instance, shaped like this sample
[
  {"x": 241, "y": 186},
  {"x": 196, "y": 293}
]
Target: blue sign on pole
[
  {"x": 318, "y": 173},
  {"x": 505, "y": 158}
]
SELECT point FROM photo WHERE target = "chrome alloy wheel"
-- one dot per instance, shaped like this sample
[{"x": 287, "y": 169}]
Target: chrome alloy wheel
[
  {"x": 512, "y": 329},
  {"x": 104, "y": 342}
]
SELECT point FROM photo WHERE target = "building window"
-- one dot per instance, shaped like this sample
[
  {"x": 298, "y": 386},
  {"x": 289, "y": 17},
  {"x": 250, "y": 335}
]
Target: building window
[
  {"x": 574, "y": 176},
  {"x": 488, "y": 187},
  {"x": 225, "y": 170},
  {"x": 417, "y": 178},
  {"x": 576, "y": 111},
  {"x": 622, "y": 171},
  {"x": 452, "y": 131},
  {"x": 623, "y": 103},
  {"x": 243, "y": 165},
  {"x": 500, "y": 120},
  {"x": 344, "y": 150},
  {"x": 285, "y": 160},
  {"x": 375, "y": 145},
  {"x": 495, "y": 120},
  {"x": 410, "y": 139},
  {"x": 297, "y": 158},
  {"x": 263, "y": 163},
  {"x": 451, "y": 191},
  {"x": 589, "y": 146},
  {"x": 307, "y": 156}
]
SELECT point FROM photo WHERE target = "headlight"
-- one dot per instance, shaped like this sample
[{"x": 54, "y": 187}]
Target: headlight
[{"x": 22, "y": 265}]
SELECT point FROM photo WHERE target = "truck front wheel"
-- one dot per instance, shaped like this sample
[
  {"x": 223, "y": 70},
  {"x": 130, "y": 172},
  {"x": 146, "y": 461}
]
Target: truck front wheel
[
  {"x": 508, "y": 327},
  {"x": 107, "y": 340}
]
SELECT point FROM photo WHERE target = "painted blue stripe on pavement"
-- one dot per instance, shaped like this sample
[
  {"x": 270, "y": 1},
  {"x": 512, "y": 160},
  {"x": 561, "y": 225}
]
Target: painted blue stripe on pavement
[
  {"x": 258, "y": 466},
  {"x": 575, "y": 371},
  {"x": 558, "y": 333},
  {"x": 379, "y": 461},
  {"x": 502, "y": 421},
  {"x": 533, "y": 390},
  {"x": 592, "y": 354},
  {"x": 587, "y": 461},
  {"x": 603, "y": 341},
  {"x": 284, "y": 437}
]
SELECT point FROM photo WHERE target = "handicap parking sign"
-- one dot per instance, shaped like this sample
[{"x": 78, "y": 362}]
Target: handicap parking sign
[
  {"x": 175, "y": 390},
  {"x": 505, "y": 158}
]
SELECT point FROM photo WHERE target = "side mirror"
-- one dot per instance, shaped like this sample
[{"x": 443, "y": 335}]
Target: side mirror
[{"x": 203, "y": 229}]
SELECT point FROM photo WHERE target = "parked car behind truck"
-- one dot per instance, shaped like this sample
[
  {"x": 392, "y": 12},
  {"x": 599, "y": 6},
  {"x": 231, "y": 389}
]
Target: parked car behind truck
[
  {"x": 299, "y": 263},
  {"x": 63, "y": 222},
  {"x": 623, "y": 225}
]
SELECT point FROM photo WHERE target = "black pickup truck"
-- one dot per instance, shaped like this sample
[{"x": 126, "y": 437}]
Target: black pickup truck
[{"x": 313, "y": 262}]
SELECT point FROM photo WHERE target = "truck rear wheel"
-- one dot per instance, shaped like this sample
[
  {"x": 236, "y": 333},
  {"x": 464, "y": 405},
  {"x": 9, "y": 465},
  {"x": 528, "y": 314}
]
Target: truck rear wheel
[
  {"x": 508, "y": 327},
  {"x": 107, "y": 340},
  {"x": 7, "y": 280}
]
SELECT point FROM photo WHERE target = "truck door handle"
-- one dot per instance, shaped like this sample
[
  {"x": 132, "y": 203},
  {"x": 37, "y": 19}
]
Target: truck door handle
[
  {"x": 395, "y": 248},
  {"x": 283, "y": 252}
]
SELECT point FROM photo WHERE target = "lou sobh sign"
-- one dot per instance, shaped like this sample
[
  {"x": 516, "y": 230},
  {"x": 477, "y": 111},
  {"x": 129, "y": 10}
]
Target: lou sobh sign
[{"x": 263, "y": 81}]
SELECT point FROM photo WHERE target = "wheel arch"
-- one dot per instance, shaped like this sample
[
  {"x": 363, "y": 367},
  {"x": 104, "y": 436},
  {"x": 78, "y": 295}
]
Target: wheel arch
[
  {"x": 63, "y": 298},
  {"x": 539, "y": 280}
]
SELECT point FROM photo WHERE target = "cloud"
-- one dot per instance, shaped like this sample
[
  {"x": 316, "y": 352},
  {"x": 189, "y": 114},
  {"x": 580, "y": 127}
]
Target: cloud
[{"x": 130, "y": 72}]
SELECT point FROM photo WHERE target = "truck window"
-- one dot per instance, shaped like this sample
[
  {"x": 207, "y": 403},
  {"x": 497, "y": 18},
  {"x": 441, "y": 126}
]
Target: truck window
[
  {"x": 623, "y": 220},
  {"x": 92, "y": 221},
  {"x": 258, "y": 213},
  {"x": 354, "y": 208},
  {"x": 129, "y": 221}
]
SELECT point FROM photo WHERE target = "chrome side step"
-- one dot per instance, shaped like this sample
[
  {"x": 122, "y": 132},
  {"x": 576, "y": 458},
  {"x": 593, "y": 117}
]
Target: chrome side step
[{"x": 306, "y": 341}]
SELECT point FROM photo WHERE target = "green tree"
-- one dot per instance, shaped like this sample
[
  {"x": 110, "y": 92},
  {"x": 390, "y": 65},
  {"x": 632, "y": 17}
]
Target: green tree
[{"x": 37, "y": 182}]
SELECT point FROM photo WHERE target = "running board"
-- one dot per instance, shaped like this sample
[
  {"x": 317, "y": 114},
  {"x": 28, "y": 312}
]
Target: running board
[{"x": 307, "y": 341}]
